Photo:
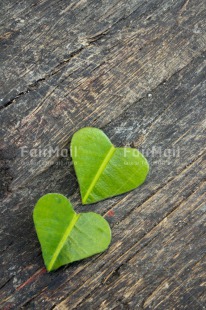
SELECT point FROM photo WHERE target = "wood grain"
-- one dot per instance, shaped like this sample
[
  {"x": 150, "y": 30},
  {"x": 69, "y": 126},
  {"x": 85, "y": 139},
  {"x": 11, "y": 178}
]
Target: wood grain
[{"x": 136, "y": 70}]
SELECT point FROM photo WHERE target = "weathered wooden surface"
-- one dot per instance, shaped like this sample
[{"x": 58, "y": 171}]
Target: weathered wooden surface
[{"x": 137, "y": 70}]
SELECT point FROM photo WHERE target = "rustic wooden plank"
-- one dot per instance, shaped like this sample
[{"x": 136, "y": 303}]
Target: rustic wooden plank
[
  {"x": 166, "y": 183},
  {"x": 110, "y": 83},
  {"x": 171, "y": 253},
  {"x": 49, "y": 33},
  {"x": 141, "y": 78}
]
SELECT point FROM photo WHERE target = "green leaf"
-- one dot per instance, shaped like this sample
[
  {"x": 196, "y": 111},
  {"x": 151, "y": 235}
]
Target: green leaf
[
  {"x": 102, "y": 170},
  {"x": 66, "y": 236}
]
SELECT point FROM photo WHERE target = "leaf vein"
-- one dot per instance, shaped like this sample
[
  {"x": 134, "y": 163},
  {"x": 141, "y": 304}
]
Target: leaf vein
[
  {"x": 99, "y": 172},
  {"x": 63, "y": 240}
]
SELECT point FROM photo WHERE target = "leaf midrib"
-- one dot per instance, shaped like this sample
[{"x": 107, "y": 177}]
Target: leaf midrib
[
  {"x": 99, "y": 172},
  {"x": 63, "y": 240}
]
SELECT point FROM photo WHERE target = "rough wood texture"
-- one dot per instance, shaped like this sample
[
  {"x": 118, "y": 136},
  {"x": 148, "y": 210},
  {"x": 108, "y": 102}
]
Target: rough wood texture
[{"x": 135, "y": 69}]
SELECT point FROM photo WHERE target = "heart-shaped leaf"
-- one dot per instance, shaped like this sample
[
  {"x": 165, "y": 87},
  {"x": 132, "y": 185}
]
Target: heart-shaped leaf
[
  {"x": 66, "y": 236},
  {"x": 102, "y": 170}
]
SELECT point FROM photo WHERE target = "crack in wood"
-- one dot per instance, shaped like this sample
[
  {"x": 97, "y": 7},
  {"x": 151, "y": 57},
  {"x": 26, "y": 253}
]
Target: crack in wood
[
  {"x": 61, "y": 65},
  {"x": 35, "y": 85}
]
